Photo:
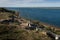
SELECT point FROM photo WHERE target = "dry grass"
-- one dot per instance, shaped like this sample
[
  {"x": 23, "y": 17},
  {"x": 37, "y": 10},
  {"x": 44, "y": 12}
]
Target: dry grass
[
  {"x": 4, "y": 15},
  {"x": 21, "y": 34}
]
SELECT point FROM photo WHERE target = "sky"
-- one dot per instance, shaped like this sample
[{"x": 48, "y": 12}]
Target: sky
[{"x": 29, "y": 3}]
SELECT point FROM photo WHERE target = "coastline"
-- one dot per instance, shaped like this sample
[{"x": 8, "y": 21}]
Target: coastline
[
  {"x": 43, "y": 23},
  {"x": 17, "y": 24},
  {"x": 52, "y": 28},
  {"x": 26, "y": 13}
]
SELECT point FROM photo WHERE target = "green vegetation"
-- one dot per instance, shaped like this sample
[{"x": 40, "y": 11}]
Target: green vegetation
[
  {"x": 57, "y": 32},
  {"x": 12, "y": 31},
  {"x": 53, "y": 30},
  {"x": 4, "y": 15}
]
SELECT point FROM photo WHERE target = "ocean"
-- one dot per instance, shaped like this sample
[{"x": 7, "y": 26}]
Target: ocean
[{"x": 47, "y": 15}]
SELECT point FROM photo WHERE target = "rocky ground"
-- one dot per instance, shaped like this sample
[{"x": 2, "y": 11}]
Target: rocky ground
[{"x": 15, "y": 28}]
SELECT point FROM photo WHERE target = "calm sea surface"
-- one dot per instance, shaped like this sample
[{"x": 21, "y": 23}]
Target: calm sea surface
[{"x": 51, "y": 16}]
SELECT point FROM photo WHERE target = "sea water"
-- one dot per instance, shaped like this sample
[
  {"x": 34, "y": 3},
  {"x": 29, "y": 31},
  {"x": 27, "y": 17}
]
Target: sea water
[{"x": 47, "y": 15}]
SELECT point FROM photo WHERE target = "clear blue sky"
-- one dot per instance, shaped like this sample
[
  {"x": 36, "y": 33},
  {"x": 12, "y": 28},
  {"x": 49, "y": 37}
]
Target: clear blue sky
[{"x": 29, "y": 3}]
